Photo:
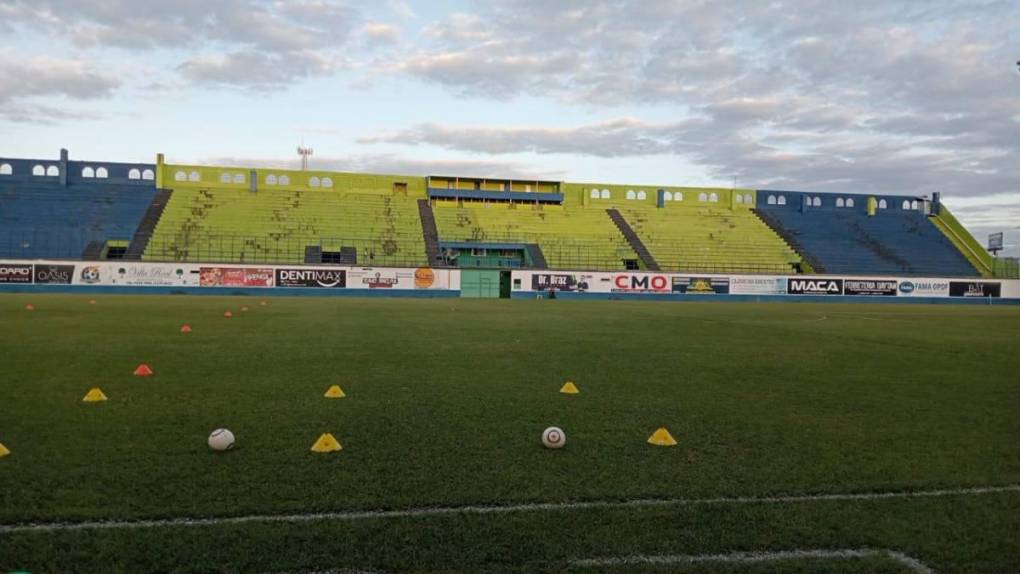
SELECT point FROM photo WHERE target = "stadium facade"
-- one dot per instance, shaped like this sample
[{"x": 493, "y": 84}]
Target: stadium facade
[{"x": 174, "y": 226}]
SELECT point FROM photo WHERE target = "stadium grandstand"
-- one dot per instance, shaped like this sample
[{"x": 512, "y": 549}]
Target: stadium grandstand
[{"x": 162, "y": 212}]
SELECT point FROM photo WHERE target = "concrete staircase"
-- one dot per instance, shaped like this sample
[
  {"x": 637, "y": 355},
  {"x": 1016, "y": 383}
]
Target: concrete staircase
[
  {"x": 147, "y": 225},
  {"x": 429, "y": 233},
  {"x": 632, "y": 238}
]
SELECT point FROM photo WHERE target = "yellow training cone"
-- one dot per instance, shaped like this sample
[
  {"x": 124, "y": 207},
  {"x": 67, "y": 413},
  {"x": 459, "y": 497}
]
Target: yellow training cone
[
  {"x": 662, "y": 437},
  {"x": 326, "y": 443},
  {"x": 569, "y": 388},
  {"x": 3, "y": 450},
  {"x": 94, "y": 395},
  {"x": 334, "y": 392}
]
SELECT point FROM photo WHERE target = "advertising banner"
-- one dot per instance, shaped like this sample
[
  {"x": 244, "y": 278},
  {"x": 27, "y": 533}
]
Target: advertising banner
[
  {"x": 59, "y": 274},
  {"x": 151, "y": 275},
  {"x": 559, "y": 282},
  {"x": 641, "y": 283},
  {"x": 755, "y": 285},
  {"x": 701, "y": 285},
  {"x": 880, "y": 287},
  {"x": 236, "y": 277},
  {"x": 814, "y": 286},
  {"x": 327, "y": 278},
  {"x": 974, "y": 289},
  {"x": 923, "y": 288},
  {"x": 15, "y": 273}
]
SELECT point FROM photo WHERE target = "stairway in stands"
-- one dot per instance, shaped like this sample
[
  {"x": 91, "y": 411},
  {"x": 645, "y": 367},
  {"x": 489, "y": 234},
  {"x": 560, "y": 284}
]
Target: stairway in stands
[
  {"x": 632, "y": 238},
  {"x": 147, "y": 225}
]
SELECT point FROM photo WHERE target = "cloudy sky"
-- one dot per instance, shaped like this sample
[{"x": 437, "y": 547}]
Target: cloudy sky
[{"x": 870, "y": 95}]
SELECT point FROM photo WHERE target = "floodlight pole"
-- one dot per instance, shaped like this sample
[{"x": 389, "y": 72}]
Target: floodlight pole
[{"x": 304, "y": 152}]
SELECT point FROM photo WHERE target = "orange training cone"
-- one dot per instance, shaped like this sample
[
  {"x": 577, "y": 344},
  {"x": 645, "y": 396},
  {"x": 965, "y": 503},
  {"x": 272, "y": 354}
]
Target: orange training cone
[
  {"x": 143, "y": 370},
  {"x": 92, "y": 301},
  {"x": 185, "y": 328},
  {"x": 30, "y": 307},
  {"x": 244, "y": 308},
  {"x": 228, "y": 314},
  {"x": 263, "y": 303}
]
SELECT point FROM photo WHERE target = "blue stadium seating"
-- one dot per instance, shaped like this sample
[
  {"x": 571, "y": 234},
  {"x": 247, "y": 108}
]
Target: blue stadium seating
[
  {"x": 897, "y": 240},
  {"x": 57, "y": 214}
]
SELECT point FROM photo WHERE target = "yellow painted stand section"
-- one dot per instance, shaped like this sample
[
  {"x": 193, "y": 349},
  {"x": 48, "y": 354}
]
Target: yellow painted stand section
[
  {"x": 326, "y": 443},
  {"x": 95, "y": 395},
  {"x": 662, "y": 437},
  {"x": 335, "y": 392},
  {"x": 569, "y": 388},
  {"x": 3, "y": 450}
]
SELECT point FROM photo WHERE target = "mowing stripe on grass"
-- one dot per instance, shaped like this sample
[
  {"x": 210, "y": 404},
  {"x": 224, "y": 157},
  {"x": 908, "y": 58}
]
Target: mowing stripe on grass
[
  {"x": 427, "y": 511},
  {"x": 910, "y": 562}
]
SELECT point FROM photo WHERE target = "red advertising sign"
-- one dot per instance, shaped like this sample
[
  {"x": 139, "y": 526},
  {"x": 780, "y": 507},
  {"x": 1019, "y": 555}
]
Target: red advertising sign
[{"x": 235, "y": 277}]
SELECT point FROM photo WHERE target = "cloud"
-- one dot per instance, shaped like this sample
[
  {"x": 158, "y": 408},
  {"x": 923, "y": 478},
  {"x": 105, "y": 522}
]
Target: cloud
[
  {"x": 26, "y": 81},
  {"x": 395, "y": 164},
  {"x": 45, "y": 76},
  {"x": 376, "y": 33},
  {"x": 303, "y": 34},
  {"x": 867, "y": 96},
  {"x": 256, "y": 70},
  {"x": 622, "y": 137}
]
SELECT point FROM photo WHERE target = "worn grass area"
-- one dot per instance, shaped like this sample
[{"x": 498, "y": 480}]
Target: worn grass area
[{"x": 446, "y": 403}]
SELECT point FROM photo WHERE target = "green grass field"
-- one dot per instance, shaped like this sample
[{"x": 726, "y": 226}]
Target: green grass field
[{"x": 446, "y": 402}]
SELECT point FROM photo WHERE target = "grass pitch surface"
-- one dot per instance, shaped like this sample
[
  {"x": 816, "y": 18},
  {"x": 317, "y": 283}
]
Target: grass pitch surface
[{"x": 446, "y": 401}]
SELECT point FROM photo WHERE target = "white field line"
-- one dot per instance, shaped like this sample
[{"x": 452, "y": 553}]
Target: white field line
[
  {"x": 910, "y": 562},
  {"x": 429, "y": 511}
]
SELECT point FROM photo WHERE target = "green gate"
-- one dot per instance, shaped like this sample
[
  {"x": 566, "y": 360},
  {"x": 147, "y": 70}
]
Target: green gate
[{"x": 479, "y": 283}]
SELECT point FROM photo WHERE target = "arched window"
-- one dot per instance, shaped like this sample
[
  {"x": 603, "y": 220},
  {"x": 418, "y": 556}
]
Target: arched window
[
  {"x": 739, "y": 198},
  {"x": 271, "y": 179},
  {"x": 38, "y": 170},
  {"x": 194, "y": 176},
  {"x": 630, "y": 194},
  {"x": 771, "y": 200},
  {"x": 703, "y": 196},
  {"x": 327, "y": 182},
  {"x": 148, "y": 174},
  {"x": 678, "y": 196},
  {"x": 667, "y": 196},
  {"x": 641, "y": 194},
  {"x": 818, "y": 201},
  {"x": 882, "y": 204},
  {"x": 284, "y": 180},
  {"x": 839, "y": 202},
  {"x": 133, "y": 173},
  {"x": 88, "y": 172},
  {"x": 782, "y": 200},
  {"x": 180, "y": 176},
  {"x": 594, "y": 194},
  {"x": 906, "y": 204},
  {"x": 914, "y": 204},
  {"x": 313, "y": 181},
  {"x": 748, "y": 199},
  {"x": 53, "y": 171},
  {"x": 849, "y": 202},
  {"x": 102, "y": 173},
  {"x": 605, "y": 194},
  {"x": 713, "y": 197},
  {"x": 6, "y": 169},
  {"x": 238, "y": 178},
  {"x": 224, "y": 177}
]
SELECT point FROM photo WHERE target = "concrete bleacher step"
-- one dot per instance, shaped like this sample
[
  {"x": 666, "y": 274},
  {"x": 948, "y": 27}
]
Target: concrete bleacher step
[
  {"x": 632, "y": 238},
  {"x": 147, "y": 225}
]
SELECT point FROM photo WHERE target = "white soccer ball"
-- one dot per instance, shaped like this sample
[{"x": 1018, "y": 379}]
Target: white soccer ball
[
  {"x": 553, "y": 437},
  {"x": 221, "y": 439}
]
